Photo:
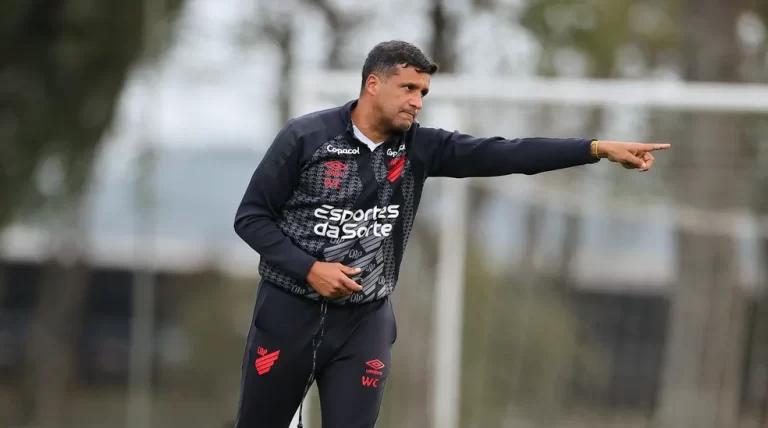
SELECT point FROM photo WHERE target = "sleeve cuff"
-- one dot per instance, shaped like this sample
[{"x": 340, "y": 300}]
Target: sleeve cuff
[{"x": 300, "y": 269}]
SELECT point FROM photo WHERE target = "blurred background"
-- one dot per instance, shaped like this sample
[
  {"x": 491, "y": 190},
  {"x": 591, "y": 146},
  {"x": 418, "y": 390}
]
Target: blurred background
[{"x": 589, "y": 297}]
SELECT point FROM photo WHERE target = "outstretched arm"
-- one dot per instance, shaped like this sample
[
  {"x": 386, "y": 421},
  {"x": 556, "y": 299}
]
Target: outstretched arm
[
  {"x": 271, "y": 185},
  {"x": 460, "y": 155}
]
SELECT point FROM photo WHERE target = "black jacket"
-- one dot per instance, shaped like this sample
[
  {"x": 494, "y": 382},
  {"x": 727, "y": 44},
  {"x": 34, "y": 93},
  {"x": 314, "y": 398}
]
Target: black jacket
[{"x": 320, "y": 194}]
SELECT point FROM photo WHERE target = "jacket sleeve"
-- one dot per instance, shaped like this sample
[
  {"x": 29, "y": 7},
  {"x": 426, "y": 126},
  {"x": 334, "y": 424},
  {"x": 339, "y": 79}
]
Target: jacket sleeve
[
  {"x": 271, "y": 185},
  {"x": 459, "y": 155}
]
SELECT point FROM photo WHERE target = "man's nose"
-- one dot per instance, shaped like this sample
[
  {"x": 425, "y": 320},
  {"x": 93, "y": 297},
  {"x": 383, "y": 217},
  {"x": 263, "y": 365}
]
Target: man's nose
[{"x": 416, "y": 102}]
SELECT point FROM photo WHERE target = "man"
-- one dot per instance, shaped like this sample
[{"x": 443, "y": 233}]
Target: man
[{"x": 330, "y": 209}]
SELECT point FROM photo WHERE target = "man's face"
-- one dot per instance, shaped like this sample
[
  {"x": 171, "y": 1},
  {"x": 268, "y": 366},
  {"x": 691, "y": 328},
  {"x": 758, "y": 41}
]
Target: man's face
[{"x": 398, "y": 98}]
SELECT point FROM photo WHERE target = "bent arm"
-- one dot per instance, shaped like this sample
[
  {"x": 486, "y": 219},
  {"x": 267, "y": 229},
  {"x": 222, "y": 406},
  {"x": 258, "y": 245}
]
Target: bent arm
[
  {"x": 459, "y": 155},
  {"x": 271, "y": 185}
]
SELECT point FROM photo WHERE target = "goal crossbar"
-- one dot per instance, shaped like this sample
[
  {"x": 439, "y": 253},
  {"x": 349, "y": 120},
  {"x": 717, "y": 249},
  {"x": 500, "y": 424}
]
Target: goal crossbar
[{"x": 664, "y": 94}]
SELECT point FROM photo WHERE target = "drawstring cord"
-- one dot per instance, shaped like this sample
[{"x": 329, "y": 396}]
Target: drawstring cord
[{"x": 315, "y": 345}]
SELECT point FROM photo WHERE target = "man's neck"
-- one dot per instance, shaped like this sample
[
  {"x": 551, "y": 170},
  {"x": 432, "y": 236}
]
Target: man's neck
[{"x": 365, "y": 120}]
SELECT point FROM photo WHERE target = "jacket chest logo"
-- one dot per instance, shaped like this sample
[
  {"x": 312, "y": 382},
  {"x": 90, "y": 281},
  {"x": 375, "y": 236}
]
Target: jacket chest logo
[
  {"x": 335, "y": 171},
  {"x": 396, "y": 166},
  {"x": 343, "y": 150}
]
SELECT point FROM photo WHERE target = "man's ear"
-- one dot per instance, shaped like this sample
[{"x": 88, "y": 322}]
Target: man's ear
[{"x": 372, "y": 84}]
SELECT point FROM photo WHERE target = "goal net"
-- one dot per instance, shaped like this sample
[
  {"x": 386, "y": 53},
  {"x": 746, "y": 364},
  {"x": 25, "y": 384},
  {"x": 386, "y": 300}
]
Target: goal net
[{"x": 543, "y": 300}]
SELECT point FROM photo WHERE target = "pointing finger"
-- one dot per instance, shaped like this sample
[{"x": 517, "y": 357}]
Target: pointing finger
[{"x": 650, "y": 147}]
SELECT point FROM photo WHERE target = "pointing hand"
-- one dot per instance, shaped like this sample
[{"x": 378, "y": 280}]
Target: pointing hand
[{"x": 630, "y": 155}]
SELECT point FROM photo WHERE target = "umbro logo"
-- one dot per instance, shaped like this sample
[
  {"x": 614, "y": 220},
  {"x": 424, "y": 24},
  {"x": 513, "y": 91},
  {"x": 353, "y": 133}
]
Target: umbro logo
[
  {"x": 336, "y": 165},
  {"x": 334, "y": 173},
  {"x": 375, "y": 367},
  {"x": 375, "y": 364}
]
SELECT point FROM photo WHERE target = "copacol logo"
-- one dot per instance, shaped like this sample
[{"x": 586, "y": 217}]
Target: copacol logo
[
  {"x": 347, "y": 224},
  {"x": 394, "y": 153},
  {"x": 338, "y": 151}
]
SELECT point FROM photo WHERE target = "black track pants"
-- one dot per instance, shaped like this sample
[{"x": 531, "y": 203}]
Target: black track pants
[{"x": 352, "y": 360}]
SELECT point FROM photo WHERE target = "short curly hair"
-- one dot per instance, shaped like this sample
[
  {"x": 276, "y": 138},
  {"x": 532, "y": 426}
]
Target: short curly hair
[{"x": 385, "y": 57}]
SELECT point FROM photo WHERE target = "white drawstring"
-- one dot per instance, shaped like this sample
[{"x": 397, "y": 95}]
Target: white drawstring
[{"x": 315, "y": 346}]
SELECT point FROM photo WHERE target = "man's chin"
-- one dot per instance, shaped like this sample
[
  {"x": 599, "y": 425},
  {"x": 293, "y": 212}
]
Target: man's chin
[{"x": 402, "y": 125}]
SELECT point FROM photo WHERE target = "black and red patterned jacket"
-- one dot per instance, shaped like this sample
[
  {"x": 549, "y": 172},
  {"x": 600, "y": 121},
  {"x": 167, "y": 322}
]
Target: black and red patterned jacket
[{"x": 319, "y": 194}]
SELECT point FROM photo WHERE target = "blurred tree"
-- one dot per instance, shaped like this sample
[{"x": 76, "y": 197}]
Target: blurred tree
[
  {"x": 444, "y": 48},
  {"x": 603, "y": 32},
  {"x": 343, "y": 24},
  {"x": 207, "y": 312},
  {"x": 518, "y": 348},
  {"x": 702, "y": 380},
  {"x": 634, "y": 38},
  {"x": 443, "y": 44},
  {"x": 63, "y": 65},
  {"x": 563, "y": 29},
  {"x": 275, "y": 24},
  {"x": 757, "y": 53}
]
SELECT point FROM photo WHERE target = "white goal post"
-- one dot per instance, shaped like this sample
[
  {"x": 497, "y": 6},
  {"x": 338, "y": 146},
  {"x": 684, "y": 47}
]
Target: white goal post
[{"x": 323, "y": 89}]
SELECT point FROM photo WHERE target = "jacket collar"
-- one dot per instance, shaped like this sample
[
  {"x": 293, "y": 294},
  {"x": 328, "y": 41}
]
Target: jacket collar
[{"x": 346, "y": 117}]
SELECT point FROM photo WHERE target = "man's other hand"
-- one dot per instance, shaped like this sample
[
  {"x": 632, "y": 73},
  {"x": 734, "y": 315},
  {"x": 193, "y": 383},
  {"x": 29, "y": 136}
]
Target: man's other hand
[
  {"x": 332, "y": 280},
  {"x": 630, "y": 155}
]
